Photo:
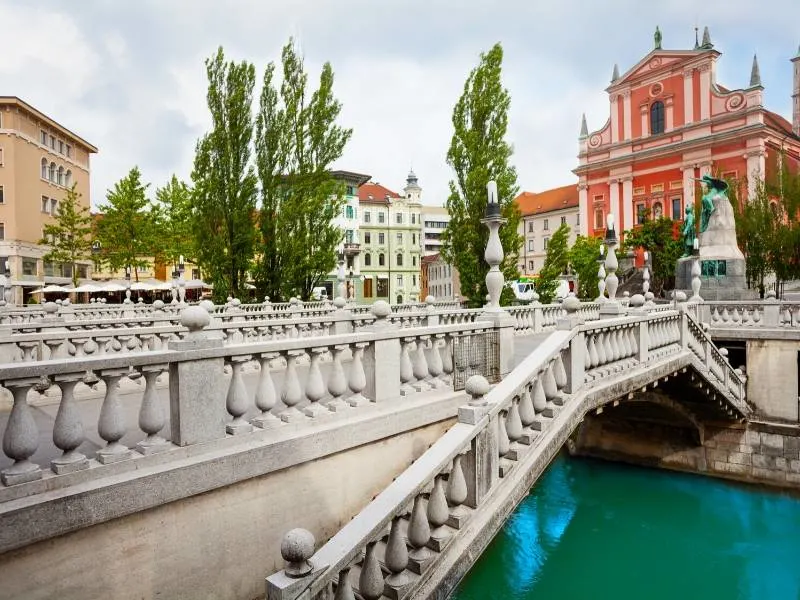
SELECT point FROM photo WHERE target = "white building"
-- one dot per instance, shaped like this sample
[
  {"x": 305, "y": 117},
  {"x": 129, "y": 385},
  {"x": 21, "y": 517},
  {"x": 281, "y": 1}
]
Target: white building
[
  {"x": 434, "y": 220},
  {"x": 440, "y": 279}
]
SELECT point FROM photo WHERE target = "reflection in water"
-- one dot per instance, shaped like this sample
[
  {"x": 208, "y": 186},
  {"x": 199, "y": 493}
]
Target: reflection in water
[{"x": 598, "y": 530}]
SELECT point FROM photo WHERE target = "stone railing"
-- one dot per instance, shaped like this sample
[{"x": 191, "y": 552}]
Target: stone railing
[
  {"x": 768, "y": 313},
  {"x": 435, "y": 515},
  {"x": 299, "y": 380}
]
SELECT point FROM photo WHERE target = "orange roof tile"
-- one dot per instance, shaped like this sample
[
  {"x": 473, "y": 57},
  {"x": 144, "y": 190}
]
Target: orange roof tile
[
  {"x": 531, "y": 203},
  {"x": 430, "y": 258},
  {"x": 375, "y": 192}
]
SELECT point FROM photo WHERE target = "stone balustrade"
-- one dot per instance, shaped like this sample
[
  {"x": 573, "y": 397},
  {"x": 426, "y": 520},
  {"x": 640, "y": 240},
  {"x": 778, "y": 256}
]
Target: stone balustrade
[
  {"x": 769, "y": 313},
  {"x": 301, "y": 381},
  {"x": 435, "y": 518}
]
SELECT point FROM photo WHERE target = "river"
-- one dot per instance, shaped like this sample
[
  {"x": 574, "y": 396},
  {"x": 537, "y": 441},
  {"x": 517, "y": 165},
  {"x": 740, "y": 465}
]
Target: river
[{"x": 599, "y": 530}]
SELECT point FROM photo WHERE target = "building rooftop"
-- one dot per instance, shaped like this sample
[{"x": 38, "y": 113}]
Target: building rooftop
[
  {"x": 559, "y": 198},
  {"x": 351, "y": 177},
  {"x": 430, "y": 258},
  {"x": 15, "y": 101},
  {"x": 435, "y": 210},
  {"x": 375, "y": 192}
]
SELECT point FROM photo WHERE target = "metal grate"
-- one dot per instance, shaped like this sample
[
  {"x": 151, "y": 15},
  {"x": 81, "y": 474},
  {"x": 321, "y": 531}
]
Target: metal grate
[{"x": 476, "y": 353}]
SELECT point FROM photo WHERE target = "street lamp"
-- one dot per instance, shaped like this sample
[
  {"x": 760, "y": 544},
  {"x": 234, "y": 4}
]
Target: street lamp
[
  {"x": 181, "y": 281},
  {"x": 696, "y": 272},
  {"x": 340, "y": 278},
  {"x": 601, "y": 274},
  {"x": 494, "y": 249},
  {"x": 127, "y": 285},
  {"x": 612, "y": 307}
]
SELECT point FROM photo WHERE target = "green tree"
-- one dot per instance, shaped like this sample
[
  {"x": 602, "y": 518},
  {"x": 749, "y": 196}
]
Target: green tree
[
  {"x": 479, "y": 153},
  {"x": 755, "y": 235},
  {"x": 556, "y": 262},
  {"x": 665, "y": 248},
  {"x": 174, "y": 206},
  {"x": 128, "y": 228},
  {"x": 583, "y": 257},
  {"x": 225, "y": 185},
  {"x": 297, "y": 141},
  {"x": 70, "y": 238}
]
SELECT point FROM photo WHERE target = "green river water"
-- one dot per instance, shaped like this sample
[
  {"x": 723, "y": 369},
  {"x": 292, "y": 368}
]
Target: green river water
[{"x": 597, "y": 530}]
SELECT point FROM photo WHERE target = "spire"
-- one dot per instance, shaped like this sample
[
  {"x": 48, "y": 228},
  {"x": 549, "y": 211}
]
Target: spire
[
  {"x": 755, "y": 74},
  {"x": 657, "y": 39},
  {"x": 696, "y": 39},
  {"x": 584, "y": 128},
  {"x": 615, "y": 74},
  {"x": 707, "y": 45},
  {"x": 798, "y": 52}
]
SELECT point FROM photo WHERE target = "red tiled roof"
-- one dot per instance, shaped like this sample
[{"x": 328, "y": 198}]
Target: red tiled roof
[
  {"x": 780, "y": 123},
  {"x": 531, "y": 203},
  {"x": 430, "y": 258},
  {"x": 375, "y": 192}
]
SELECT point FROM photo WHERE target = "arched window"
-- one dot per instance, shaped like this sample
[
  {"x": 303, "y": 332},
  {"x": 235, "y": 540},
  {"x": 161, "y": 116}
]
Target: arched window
[
  {"x": 60, "y": 175},
  {"x": 657, "y": 117},
  {"x": 367, "y": 259},
  {"x": 381, "y": 259},
  {"x": 44, "y": 168},
  {"x": 399, "y": 298},
  {"x": 68, "y": 179},
  {"x": 52, "y": 173},
  {"x": 399, "y": 260}
]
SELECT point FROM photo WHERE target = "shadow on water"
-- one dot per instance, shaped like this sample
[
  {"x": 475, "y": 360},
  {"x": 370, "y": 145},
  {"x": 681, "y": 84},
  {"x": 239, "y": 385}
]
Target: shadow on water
[{"x": 597, "y": 530}]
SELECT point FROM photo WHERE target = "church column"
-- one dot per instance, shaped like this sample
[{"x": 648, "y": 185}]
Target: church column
[
  {"x": 613, "y": 202},
  {"x": 688, "y": 96},
  {"x": 583, "y": 208},
  {"x": 614, "y": 119},
  {"x": 705, "y": 169},
  {"x": 705, "y": 92},
  {"x": 688, "y": 188},
  {"x": 644, "y": 111},
  {"x": 755, "y": 172},
  {"x": 626, "y": 114},
  {"x": 669, "y": 121},
  {"x": 627, "y": 203}
]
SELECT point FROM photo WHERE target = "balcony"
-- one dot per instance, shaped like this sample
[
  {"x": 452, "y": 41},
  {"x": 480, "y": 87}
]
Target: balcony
[{"x": 351, "y": 248}]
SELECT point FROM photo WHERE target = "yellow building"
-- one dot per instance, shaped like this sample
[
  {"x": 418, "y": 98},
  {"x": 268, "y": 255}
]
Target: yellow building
[{"x": 39, "y": 160}]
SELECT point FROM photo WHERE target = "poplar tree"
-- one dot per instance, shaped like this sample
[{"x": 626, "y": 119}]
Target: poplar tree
[
  {"x": 583, "y": 257},
  {"x": 128, "y": 228},
  {"x": 555, "y": 263},
  {"x": 479, "y": 153},
  {"x": 174, "y": 205},
  {"x": 69, "y": 238},
  {"x": 297, "y": 141},
  {"x": 225, "y": 190}
]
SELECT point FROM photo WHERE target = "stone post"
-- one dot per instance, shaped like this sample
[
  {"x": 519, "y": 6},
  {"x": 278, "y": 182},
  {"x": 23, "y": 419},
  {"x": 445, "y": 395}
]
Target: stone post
[
  {"x": 430, "y": 309},
  {"x": 196, "y": 388},
  {"x": 382, "y": 358},
  {"x": 480, "y": 464},
  {"x": 643, "y": 330},
  {"x": 601, "y": 276},
  {"x": 772, "y": 308},
  {"x": 342, "y": 317},
  {"x": 297, "y": 548},
  {"x": 575, "y": 363}
]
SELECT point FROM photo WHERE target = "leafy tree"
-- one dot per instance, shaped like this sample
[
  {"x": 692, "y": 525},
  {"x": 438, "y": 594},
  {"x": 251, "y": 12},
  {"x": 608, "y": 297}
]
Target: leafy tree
[
  {"x": 70, "y": 237},
  {"x": 583, "y": 257},
  {"x": 174, "y": 205},
  {"x": 297, "y": 141},
  {"x": 224, "y": 181},
  {"x": 479, "y": 153},
  {"x": 555, "y": 263},
  {"x": 755, "y": 232},
  {"x": 128, "y": 229},
  {"x": 658, "y": 238}
]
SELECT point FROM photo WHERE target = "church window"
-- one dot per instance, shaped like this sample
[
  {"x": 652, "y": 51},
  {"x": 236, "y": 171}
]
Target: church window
[
  {"x": 676, "y": 209},
  {"x": 657, "y": 117},
  {"x": 598, "y": 218}
]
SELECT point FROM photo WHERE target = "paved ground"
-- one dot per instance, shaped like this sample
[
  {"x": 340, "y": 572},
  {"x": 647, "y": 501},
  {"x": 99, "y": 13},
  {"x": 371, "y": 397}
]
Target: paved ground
[{"x": 89, "y": 402}]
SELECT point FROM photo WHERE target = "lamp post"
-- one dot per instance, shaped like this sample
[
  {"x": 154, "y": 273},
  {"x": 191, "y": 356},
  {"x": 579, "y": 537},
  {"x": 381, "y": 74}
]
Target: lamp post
[
  {"x": 612, "y": 306},
  {"x": 4, "y": 285},
  {"x": 494, "y": 249},
  {"x": 601, "y": 275},
  {"x": 340, "y": 278},
  {"x": 696, "y": 272},
  {"x": 127, "y": 285},
  {"x": 181, "y": 281}
]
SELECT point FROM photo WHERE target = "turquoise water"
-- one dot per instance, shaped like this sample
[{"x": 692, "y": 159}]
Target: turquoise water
[{"x": 598, "y": 530}]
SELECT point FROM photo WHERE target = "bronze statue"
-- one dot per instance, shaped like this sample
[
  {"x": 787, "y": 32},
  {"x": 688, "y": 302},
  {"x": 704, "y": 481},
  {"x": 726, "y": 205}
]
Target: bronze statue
[
  {"x": 713, "y": 187},
  {"x": 688, "y": 231}
]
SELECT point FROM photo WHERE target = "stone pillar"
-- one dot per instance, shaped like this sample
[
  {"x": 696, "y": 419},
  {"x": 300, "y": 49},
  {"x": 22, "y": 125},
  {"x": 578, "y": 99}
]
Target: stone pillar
[
  {"x": 688, "y": 189},
  {"x": 613, "y": 196},
  {"x": 772, "y": 309},
  {"x": 583, "y": 209},
  {"x": 705, "y": 92},
  {"x": 626, "y": 115},
  {"x": 755, "y": 171},
  {"x": 382, "y": 359},
  {"x": 196, "y": 388},
  {"x": 480, "y": 464},
  {"x": 688, "y": 96},
  {"x": 627, "y": 203},
  {"x": 644, "y": 115},
  {"x": 614, "y": 119}
]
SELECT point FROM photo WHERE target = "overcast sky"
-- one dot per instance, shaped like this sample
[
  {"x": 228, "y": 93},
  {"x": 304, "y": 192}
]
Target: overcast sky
[{"x": 128, "y": 75}]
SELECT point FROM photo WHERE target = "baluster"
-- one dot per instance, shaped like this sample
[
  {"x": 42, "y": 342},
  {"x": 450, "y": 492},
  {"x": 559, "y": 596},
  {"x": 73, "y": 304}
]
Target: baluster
[
  {"x": 503, "y": 443},
  {"x": 447, "y": 359},
  {"x": 421, "y": 366},
  {"x": 633, "y": 341},
  {"x": 358, "y": 378},
  {"x": 151, "y": 415},
  {"x": 560, "y": 372},
  {"x": 237, "y": 401},
  {"x": 315, "y": 386},
  {"x": 513, "y": 422},
  {"x": 396, "y": 558},
  {"x": 438, "y": 514},
  {"x": 111, "y": 425},
  {"x": 435, "y": 368},
  {"x": 53, "y": 346},
  {"x": 527, "y": 413},
  {"x": 594, "y": 359},
  {"x": 406, "y": 368},
  {"x": 337, "y": 382},
  {"x": 292, "y": 393},
  {"x": 266, "y": 397},
  {"x": 419, "y": 534},
  {"x": 28, "y": 350},
  {"x": 370, "y": 582},
  {"x": 550, "y": 391},
  {"x": 344, "y": 591},
  {"x": 608, "y": 348},
  {"x": 601, "y": 349},
  {"x": 539, "y": 398},
  {"x": 68, "y": 428},
  {"x": 21, "y": 437}
]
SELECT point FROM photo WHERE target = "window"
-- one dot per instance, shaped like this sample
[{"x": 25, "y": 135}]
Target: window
[
  {"x": 69, "y": 155},
  {"x": 381, "y": 217},
  {"x": 348, "y": 212},
  {"x": 368, "y": 287},
  {"x": 83, "y": 272},
  {"x": 530, "y": 265},
  {"x": 399, "y": 218},
  {"x": 639, "y": 191},
  {"x": 383, "y": 288},
  {"x": 51, "y": 174},
  {"x": 60, "y": 147},
  {"x": 2, "y": 231},
  {"x": 44, "y": 168},
  {"x": 657, "y": 188},
  {"x": 29, "y": 266},
  {"x": 678, "y": 184},
  {"x": 60, "y": 176},
  {"x": 349, "y": 236},
  {"x": 530, "y": 226},
  {"x": 641, "y": 211},
  {"x": 381, "y": 260},
  {"x": 546, "y": 242},
  {"x": 45, "y": 204},
  {"x": 658, "y": 210},
  {"x": 598, "y": 218},
  {"x": 49, "y": 269},
  {"x": 531, "y": 245},
  {"x": 53, "y": 206},
  {"x": 367, "y": 216},
  {"x": 399, "y": 280},
  {"x": 195, "y": 273},
  {"x": 414, "y": 280},
  {"x": 413, "y": 239},
  {"x": 399, "y": 260},
  {"x": 381, "y": 239},
  {"x": 657, "y": 117},
  {"x": 546, "y": 225},
  {"x": 413, "y": 218},
  {"x": 578, "y": 219},
  {"x": 367, "y": 237},
  {"x": 52, "y": 142},
  {"x": 564, "y": 220},
  {"x": 1, "y": 157},
  {"x": 2, "y": 195},
  {"x": 399, "y": 238},
  {"x": 399, "y": 298},
  {"x": 368, "y": 260},
  {"x": 676, "y": 209},
  {"x": 43, "y": 137}
]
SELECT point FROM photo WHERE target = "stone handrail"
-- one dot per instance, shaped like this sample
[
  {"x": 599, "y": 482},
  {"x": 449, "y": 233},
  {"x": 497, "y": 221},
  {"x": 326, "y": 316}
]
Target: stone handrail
[
  {"x": 757, "y": 313},
  {"x": 461, "y": 471}
]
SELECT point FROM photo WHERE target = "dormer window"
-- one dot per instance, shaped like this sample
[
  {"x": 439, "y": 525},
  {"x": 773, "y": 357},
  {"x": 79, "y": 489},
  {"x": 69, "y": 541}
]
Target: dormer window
[{"x": 657, "y": 117}]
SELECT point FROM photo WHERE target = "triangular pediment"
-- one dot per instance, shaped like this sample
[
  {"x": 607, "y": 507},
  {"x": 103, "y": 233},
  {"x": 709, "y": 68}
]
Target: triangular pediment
[{"x": 657, "y": 61}]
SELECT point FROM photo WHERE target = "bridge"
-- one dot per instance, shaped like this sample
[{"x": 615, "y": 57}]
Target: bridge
[{"x": 169, "y": 449}]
